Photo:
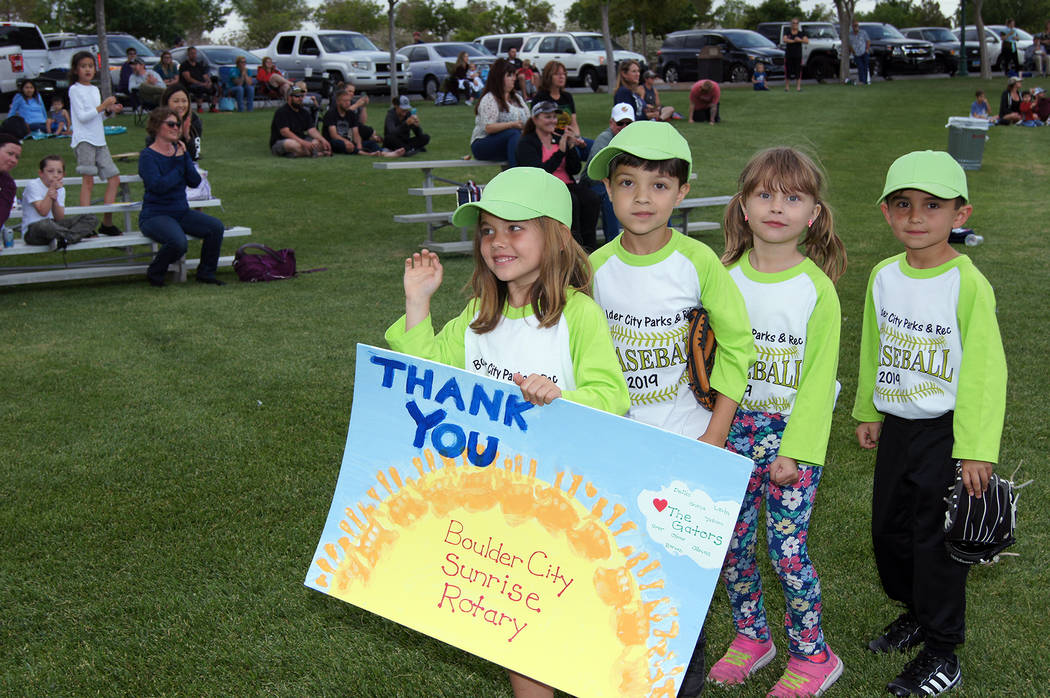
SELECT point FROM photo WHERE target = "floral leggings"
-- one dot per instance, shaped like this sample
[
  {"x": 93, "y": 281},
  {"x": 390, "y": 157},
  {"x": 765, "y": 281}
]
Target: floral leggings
[{"x": 757, "y": 436}]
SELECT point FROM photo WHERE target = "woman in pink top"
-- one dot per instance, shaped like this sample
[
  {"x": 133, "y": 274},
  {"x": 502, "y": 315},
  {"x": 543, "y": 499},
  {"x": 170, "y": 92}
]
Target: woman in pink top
[
  {"x": 543, "y": 146},
  {"x": 703, "y": 98}
]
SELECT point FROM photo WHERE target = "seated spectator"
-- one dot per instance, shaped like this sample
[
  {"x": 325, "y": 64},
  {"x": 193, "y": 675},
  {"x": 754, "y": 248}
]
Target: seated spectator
[
  {"x": 177, "y": 98},
  {"x": 402, "y": 130},
  {"x": 1028, "y": 117},
  {"x": 457, "y": 84},
  {"x": 57, "y": 123},
  {"x": 167, "y": 69},
  {"x": 1042, "y": 103},
  {"x": 359, "y": 105},
  {"x": 195, "y": 76},
  {"x": 311, "y": 100},
  {"x": 981, "y": 109},
  {"x": 475, "y": 83},
  {"x": 515, "y": 64},
  {"x": 242, "y": 85},
  {"x": 1010, "y": 103},
  {"x": 654, "y": 110},
  {"x": 499, "y": 116},
  {"x": 758, "y": 78},
  {"x": 342, "y": 130},
  {"x": 628, "y": 90},
  {"x": 293, "y": 134},
  {"x": 703, "y": 102},
  {"x": 29, "y": 107},
  {"x": 527, "y": 79},
  {"x": 145, "y": 85},
  {"x": 166, "y": 218},
  {"x": 10, "y": 152},
  {"x": 273, "y": 79},
  {"x": 622, "y": 115},
  {"x": 552, "y": 89},
  {"x": 541, "y": 147},
  {"x": 126, "y": 70},
  {"x": 44, "y": 219}
]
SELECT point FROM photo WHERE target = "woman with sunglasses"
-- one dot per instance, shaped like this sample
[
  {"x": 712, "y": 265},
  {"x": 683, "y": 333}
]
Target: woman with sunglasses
[
  {"x": 177, "y": 98},
  {"x": 166, "y": 170}
]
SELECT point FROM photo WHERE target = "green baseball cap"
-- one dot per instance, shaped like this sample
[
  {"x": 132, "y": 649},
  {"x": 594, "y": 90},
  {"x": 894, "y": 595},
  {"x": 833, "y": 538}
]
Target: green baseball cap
[
  {"x": 519, "y": 194},
  {"x": 932, "y": 171},
  {"x": 649, "y": 140}
]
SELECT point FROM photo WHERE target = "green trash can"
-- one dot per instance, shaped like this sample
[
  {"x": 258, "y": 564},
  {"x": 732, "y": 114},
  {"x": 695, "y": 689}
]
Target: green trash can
[{"x": 966, "y": 137}]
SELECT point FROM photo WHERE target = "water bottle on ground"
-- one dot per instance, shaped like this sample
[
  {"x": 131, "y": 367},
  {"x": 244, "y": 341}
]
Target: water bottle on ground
[
  {"x": 9, "y": 237},
  {"x": 973, "y": 240}
]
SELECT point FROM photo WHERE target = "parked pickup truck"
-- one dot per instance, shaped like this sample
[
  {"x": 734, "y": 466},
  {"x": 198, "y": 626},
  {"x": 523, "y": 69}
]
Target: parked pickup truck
[
  {"x": 322, "y": 58},
  {"x": 23, "y": 54}
]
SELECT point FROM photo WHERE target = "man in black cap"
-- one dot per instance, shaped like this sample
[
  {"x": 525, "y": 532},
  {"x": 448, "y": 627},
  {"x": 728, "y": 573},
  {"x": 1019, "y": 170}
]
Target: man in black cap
[
  {"x": 293, "y": 132},
  {"x": 402, "y": 129}
]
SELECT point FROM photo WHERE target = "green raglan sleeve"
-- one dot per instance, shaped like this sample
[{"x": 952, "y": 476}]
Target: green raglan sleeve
[
  {"x": 980, "y": 402},
  {"x": 447, "y": 347},
  {"x": 809, "y": 426},
  {"x": 729, "y": 321},
  {"x": 864, "y": 404},
  {"x": 596, "y": 370}
]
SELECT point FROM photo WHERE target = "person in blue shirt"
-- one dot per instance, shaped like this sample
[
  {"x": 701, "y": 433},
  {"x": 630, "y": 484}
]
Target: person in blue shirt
[
  {"x": 166, "y": 170},
  {"x": 28, "y": 105}
]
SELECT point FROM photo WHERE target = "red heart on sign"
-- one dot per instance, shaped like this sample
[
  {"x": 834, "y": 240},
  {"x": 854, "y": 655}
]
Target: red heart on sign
[{"x": 660, "y": 504}]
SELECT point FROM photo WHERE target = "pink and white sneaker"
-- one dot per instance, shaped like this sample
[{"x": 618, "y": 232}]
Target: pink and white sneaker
[
  {"x": 743, "y": 658},
  {"x": 803, "y": 677}
]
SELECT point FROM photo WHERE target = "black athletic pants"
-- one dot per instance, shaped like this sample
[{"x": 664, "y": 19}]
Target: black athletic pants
[{"x": 913, "y": 470}]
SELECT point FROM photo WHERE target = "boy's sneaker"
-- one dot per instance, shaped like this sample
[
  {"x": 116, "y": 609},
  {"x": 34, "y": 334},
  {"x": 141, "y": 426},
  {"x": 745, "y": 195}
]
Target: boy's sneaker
[
  {"x": 110, "y": 230},
  {"x": 804, "y": 677},
  {"x": 899, "y": 636},
  {"x": 927, "y": 675},
  {"x": 743, "y": 658}
]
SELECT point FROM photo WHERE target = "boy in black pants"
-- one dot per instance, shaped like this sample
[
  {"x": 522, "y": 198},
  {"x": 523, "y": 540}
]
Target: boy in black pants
[{"x": 931, "y": 391}]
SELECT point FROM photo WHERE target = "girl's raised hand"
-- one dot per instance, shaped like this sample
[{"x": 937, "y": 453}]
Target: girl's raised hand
[
  {"x": 537, "y": 389},
  {"x": 423, "y": 274}
]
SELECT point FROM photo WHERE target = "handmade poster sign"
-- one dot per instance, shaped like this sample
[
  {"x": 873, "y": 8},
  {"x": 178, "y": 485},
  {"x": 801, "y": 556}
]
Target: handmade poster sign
[{"x": 573, "y": 546}]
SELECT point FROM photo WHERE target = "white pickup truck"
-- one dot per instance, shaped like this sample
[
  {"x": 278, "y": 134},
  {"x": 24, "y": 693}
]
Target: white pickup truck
[
  {"x": 23, "y": 54},
  {"x": 325, "y": 57}
]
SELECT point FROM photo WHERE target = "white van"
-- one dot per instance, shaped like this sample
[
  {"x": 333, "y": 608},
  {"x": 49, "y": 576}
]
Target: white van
[{"x": 499, "y": 44}]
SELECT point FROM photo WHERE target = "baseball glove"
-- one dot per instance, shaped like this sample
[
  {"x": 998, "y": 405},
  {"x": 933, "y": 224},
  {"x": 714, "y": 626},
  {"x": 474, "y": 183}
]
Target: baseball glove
[
  {"x": 977, "y": 530},
  {"x": 701, "y": 358}
]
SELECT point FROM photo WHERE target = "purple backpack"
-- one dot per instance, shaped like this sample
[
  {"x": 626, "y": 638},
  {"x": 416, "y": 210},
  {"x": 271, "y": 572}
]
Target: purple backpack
[{"x": 271, "y": 265}]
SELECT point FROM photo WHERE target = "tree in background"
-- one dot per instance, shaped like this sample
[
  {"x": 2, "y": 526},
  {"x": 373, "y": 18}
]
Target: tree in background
[
  {"x": 1031, "y": 15},
  {"x": 904, "y": 13},
  {"x": 844, "y": 10},
  {"x": 161, "y": 21},
  {"x": 358, "y": 15},
  {"x": 647, "y": 17},
  {"x": 263, "y": 19}
]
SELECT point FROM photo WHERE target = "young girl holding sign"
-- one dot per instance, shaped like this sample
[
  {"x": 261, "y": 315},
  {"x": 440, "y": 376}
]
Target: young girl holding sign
[
  {"x": 531, "y": 320},
  {"x": 785, "y": 415}
]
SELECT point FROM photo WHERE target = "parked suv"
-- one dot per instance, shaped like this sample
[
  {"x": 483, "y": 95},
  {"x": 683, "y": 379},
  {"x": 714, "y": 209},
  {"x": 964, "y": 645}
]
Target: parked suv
[
  {"x": 891, "y": 52},
  {"x": 499, "y": 44},
  {"x": 993, "y": 44},
  {"x": 323, "y": 57},
  {"x": 820, "y": 57},
  {"x": 738, "y": 49},
  {"x": 582, "y": 53},
  {"x": 945, "y": 46}
]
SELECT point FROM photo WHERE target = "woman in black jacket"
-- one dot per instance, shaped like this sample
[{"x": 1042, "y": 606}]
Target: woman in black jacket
[{"x": 543, "y": 146}]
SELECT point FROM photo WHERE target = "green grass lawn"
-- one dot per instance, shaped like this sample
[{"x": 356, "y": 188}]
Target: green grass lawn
[{"x": 168, "y": 455}]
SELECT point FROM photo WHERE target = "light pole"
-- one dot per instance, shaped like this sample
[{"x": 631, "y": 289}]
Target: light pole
[{"x": 964, "y": 68}]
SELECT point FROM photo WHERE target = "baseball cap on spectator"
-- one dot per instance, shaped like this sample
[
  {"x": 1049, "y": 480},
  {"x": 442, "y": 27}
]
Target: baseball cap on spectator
[
  {"x": 297, "y": 91},
  {"x": 932, "y": 171},
  {"x": 545, "y": 107},
  {"x": 648, "y": 74},
  {"x": 137, "y": 61},
  {"x": 1038, "y": 91},
  {"x": 519, "y": 194},
  {"x": 622, "y": 111},
  {"x": 1013, "y": 80},
  {"x": 403, "y": 102}
]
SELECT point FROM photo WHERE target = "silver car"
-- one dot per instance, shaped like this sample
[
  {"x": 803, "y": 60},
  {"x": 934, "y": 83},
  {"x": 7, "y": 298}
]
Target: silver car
[{"x": 428, "y": 63}]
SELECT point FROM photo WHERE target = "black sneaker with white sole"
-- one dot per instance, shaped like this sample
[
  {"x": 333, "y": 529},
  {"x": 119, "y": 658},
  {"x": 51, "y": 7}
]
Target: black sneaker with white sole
[
  {"x": 927, "y": 675},
  {"x": 899, "y": 636}
]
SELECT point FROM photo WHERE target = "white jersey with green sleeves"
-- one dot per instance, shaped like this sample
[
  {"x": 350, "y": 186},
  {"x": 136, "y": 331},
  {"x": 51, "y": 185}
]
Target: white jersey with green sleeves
[
  {"x": 645, "y": 298},
  {"x": 795, "y": 320},
  {"x": 576, "y": 353},
  {"x": 930, "y": 343}
]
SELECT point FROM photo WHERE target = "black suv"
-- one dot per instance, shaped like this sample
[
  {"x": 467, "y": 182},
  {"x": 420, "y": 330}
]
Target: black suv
[
  {"x": 945, "y": 46},
  {"x": 891, "y": 52},
  {"x": 691, "y": 54}
]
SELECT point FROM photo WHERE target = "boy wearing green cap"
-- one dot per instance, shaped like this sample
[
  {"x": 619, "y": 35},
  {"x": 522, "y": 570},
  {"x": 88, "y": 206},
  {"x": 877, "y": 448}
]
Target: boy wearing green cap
[
  {"x": 647, "y": 279},
  {"x": 931, "y": 392}
]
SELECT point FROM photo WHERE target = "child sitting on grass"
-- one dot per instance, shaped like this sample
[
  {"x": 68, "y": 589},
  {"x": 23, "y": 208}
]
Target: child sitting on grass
[
  {"x": 44, "y": 219},
  {"x": 758, "y": 80},
  {"x": 1028, "y": 116},
  {"x": 57, "y": 119}
]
